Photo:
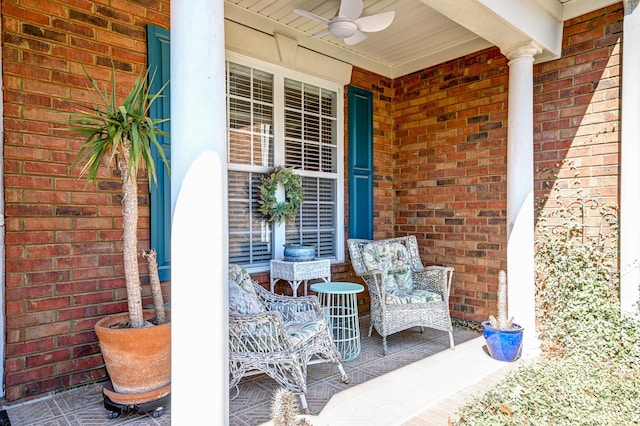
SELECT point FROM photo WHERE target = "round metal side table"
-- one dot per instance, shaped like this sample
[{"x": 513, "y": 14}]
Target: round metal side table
[{"x": 339, "y": 304}]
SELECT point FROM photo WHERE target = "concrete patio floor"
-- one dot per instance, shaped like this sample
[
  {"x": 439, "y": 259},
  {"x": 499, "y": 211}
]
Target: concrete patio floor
[
  {"x": 419, "y": 382},
  {"x": 426, "y": 392}
]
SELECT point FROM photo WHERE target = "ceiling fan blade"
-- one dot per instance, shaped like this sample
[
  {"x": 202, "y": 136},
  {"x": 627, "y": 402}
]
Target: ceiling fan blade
[
  {"x": 311, "y": 16},
  {"x": 356, "y": 38},
  {"x": 350, "y": 9},
  {"x": 321, "y": 34},
  {"x": 377, "y": 22}
]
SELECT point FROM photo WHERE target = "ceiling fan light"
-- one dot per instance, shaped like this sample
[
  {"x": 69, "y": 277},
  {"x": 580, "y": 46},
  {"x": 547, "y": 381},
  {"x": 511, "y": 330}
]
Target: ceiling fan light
[{"x": 343, "y": 29}]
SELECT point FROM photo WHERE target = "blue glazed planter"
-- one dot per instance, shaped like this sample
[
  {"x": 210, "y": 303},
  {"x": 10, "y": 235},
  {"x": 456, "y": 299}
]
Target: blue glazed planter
[
  {"x": 503, "y": 345},
  {"x": 299, "y": 253}
]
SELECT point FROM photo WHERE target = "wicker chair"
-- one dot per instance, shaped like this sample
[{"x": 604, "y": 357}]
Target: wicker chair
[
  {"x": 276, "y": 335},
  {"x": 388, "y": 265}
]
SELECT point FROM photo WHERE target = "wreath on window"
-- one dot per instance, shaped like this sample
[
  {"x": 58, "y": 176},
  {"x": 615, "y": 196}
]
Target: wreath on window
[{"x": 279, "y": 211}]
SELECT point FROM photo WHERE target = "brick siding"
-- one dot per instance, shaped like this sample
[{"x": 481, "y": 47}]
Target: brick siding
[
  {"x": 440, "y": 158},
  {"x": 439, "y": 163},
  {"x": 63, "y": 242},
  {"x": 440, "y": 169},
  {"x": 577, "y": 109}
]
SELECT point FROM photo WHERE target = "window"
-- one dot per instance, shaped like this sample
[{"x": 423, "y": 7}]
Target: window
[{"x": 278, "y": 118}]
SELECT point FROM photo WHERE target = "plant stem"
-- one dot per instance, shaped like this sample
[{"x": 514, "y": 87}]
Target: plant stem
[
  {"x": 130, "y": 237},
  {"x": 156, "y": 290}
]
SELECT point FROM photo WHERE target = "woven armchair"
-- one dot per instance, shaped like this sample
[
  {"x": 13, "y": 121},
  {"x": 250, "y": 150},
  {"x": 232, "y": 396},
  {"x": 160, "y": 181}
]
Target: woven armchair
[
  {"x": 276, "y": 335},
  {"x": 404, "y": 294}
]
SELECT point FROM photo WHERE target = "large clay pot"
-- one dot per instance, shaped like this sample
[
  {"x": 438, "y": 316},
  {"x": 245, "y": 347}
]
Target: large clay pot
[{"x": 138, "y": 360}]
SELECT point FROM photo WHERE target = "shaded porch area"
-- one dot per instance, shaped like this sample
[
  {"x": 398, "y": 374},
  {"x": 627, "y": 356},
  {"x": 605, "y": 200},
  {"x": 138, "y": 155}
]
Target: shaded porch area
[{"x": 419, "y": 382}]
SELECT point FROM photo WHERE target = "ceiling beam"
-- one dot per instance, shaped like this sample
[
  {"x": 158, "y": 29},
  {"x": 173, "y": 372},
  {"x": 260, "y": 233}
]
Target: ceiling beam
[{"x": 509, "y": 24}]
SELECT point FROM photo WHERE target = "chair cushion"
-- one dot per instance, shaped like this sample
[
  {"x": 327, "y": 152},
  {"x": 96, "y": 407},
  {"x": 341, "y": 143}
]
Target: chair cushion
[
  {"x": 303, "y": 329},
  {"x": 393, "y": 259},
  {"x": 240, "y": 276},
  {"x": 241, "y": 302},
  {"x": 416, "y": 296}
]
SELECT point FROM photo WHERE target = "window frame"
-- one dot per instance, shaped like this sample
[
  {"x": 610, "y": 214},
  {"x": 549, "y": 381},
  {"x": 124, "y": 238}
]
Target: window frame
[{"x": 280, "y": 73}]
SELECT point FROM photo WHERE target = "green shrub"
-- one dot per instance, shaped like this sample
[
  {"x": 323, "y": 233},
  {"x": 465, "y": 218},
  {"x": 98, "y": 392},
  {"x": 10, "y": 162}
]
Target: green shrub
[
  {"x": 559, "y": 391},
  {"x": 588, "y": 373},
  {"x": 577, "y": 281}
]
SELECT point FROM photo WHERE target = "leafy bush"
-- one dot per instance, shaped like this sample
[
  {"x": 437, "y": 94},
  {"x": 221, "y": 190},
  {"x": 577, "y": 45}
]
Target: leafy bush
[
  {"x": 588, "y": 373},
  {"x": 559, "y": 391}
]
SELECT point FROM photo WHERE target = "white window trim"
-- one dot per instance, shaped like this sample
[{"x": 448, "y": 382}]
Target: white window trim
[{"x": 279, "y": 74}]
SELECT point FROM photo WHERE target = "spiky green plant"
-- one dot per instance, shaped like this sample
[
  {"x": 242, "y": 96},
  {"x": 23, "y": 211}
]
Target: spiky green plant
[{"x": 124, "y": 133}]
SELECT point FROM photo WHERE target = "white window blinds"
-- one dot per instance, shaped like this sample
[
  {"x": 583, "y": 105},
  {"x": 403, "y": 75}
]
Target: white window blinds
[{"x": 276, "y": 120}]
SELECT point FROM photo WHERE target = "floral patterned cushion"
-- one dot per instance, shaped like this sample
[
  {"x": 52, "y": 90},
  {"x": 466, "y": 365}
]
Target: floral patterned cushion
[
  {"x": 241, "y": 302},
  {"x": 393, "y": 259},
  {"x": 303, "y": 329},
  {"x": 415, "y": 296},
  {"x": 240, "y": 276}
]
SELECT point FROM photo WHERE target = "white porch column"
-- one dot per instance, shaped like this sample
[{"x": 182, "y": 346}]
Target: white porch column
[
  {"x": 199, "y": 298},
  {"x": 630, "y": 155},
  {"x": 520, "y": 222}
]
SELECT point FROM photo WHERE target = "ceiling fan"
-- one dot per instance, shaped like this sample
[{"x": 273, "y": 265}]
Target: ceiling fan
[{"x": 348, "y": 24}]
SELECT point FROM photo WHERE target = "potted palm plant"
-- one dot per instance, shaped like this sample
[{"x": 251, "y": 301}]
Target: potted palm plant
[
  {"x": 502, "y": 336},
  {"x": 136, "y": 346}
]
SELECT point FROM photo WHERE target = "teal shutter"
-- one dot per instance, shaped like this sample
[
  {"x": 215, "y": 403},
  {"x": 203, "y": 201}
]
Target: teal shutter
[
  {"x": 360, "y": 117},
  {"x": 158, "y": 57}
]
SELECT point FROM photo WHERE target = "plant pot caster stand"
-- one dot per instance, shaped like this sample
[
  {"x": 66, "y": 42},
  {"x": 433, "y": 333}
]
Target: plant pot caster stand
[{"x": 149, "y": 402}]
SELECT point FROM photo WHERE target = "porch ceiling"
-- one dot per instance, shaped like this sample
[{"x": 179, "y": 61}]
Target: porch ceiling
[{"x": 424, "y": 32}]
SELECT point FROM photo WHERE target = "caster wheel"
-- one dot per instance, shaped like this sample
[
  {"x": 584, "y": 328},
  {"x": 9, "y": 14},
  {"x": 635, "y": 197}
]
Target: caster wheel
[
  {"x": 113, "y": 415},
  {"x": 158, "y": 412}
]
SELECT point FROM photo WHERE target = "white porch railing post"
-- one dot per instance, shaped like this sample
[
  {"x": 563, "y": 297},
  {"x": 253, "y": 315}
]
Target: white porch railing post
[{"x": 520, "y": 197}]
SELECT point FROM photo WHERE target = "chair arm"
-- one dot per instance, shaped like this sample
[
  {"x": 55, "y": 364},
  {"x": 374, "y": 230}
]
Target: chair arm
[
  {"x": 434, "y": 278},
  {"x": 374, "y": 279},
  {"x": 290, "y": 307},
  {"x": 261, "y": 333}
]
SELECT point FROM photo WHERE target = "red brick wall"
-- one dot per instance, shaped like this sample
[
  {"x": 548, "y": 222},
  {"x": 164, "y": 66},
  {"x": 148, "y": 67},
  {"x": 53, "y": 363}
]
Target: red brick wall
[
  {"x": 439, "y": 153},
  {"x": 63, "y": 242},
  {"x": 450, "y": 172},
  {"x": 441, "y": 171},
  {"x": 443, "y": 165},
  {"x": 576, "y": 107}
]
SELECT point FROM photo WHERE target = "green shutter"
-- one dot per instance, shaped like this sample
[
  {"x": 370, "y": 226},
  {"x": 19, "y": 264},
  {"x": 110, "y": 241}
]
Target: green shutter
[
  {"x": 360, "y": 163},
  {"x": 158, "y": 57}
]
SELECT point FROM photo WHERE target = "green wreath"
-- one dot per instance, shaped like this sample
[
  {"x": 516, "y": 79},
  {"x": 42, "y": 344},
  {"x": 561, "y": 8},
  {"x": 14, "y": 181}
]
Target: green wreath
[{"x": 279, "y": 211}]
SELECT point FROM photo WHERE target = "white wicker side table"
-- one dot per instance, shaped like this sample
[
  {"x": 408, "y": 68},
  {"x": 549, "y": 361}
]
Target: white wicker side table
[{"x": 297, "y": 273}]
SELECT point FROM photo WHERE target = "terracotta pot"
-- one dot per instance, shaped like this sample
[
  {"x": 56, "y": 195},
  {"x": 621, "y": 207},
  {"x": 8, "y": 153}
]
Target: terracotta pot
[{"x": 138, "y": 360}]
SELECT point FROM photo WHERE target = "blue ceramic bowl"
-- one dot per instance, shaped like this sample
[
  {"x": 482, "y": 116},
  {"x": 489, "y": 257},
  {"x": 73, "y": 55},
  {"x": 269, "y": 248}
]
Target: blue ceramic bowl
[
  {"x": 299, "y": 253},
  {"x": 503, "y": 345}
]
